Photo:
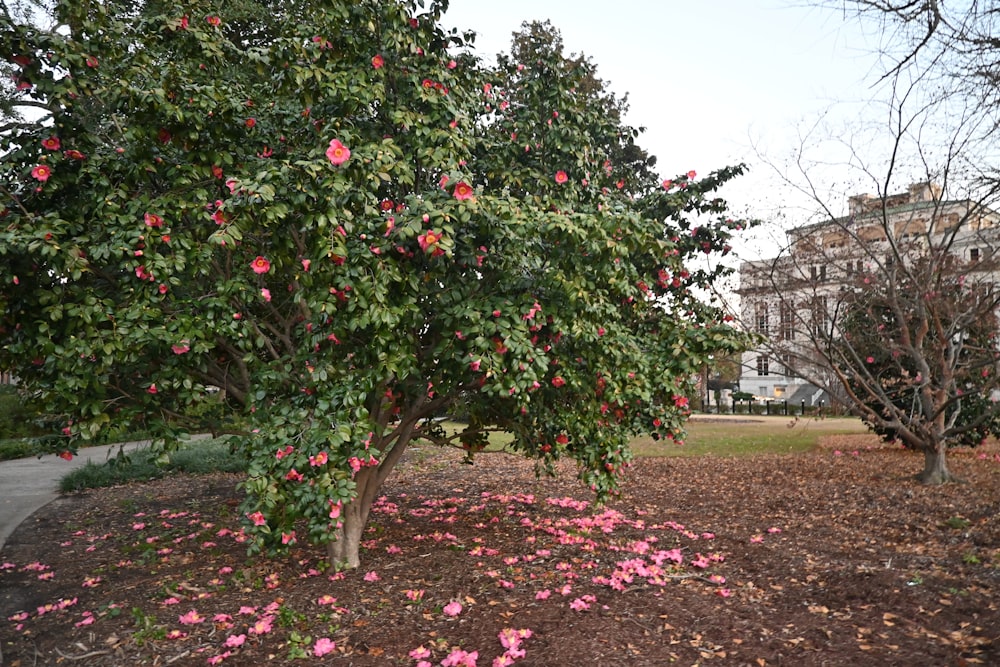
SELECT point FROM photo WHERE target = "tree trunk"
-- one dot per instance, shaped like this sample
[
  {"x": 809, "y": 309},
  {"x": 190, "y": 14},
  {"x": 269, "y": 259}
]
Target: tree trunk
[
  {"x": 935, "y": 466},
  {"x": 344, "y": 550}
]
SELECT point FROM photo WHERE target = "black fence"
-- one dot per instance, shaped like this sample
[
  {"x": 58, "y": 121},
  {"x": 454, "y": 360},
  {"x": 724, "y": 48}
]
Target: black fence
[{"x": 771, "y": 407}]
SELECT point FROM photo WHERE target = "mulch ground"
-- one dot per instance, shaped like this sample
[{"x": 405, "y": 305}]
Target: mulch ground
[{"x": 832, "y": 558}]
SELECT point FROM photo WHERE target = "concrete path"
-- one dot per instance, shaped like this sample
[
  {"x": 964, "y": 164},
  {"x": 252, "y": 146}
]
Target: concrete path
[{"x": 27, "y": 485}]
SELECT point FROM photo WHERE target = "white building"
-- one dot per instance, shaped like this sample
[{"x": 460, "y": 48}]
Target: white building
[{"x": 787, "y": 299}]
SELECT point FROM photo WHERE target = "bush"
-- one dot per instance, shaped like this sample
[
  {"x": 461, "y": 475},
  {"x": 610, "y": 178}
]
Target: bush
[{"x": 147, "y": 463}]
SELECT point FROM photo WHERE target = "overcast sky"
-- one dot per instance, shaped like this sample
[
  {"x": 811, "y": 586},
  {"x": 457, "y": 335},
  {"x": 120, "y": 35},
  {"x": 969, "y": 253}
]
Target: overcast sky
[{"x": 707, "y": 79}]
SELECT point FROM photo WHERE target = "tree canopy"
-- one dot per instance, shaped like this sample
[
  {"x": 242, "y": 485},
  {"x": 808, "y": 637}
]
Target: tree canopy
[{"x": 319, "y": 226}]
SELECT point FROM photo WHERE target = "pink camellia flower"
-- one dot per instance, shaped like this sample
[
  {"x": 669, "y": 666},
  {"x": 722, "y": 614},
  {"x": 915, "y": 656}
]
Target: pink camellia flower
[
  {"x": 213, "y": 20},
  {"x": 378, "y": 61},
  {"x": 558, "y": 381},
  {"x": 420, "y": 653},
  {"x": 52, "y": 143},
  {"x": 181, "y": 348},
  {"x": 561, "y": 177},
  {"x": 250, "y": 123},
  {"x": 474, "y": 365},
  {"x": 870, "y": 360},
  {"x": 463, "y": 191},
  {"x": 453, "y": 608},
  {"x": 428, "y": 240},
  {"x": 266, "y": 293},
  {"x": 41, "y": 173},
  {"x": 260, "y": 265},
  {"x": 323, "y": 646},
  {"x": 306, "y": 263},
  {"x": 191, "y": 618},
  {"x": 152, "y": 389},
  {"x": 257, "y": 518},
  {"x": 667, "y": 184},
  {"x": 153, "y": 220},
  {"x": 235, "y": 641},
  {"x": 692, "y": 174},
  {"x": 338, "y": 153},
  {"x": 183, "y": 23},
  {"x": 74, "y": 154},
  {"x": 91, "y": 62},
  {"x": 371, "y": 576}
]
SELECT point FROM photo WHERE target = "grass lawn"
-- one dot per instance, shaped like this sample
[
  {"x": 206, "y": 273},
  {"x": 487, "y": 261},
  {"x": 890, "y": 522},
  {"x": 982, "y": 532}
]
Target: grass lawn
[
  {"x": 731, "y": 436},
  {"x": 743, "y": 436}
]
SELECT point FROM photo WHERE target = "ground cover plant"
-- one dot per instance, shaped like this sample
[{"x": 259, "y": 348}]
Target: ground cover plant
[{"x": 829, "y": 558}]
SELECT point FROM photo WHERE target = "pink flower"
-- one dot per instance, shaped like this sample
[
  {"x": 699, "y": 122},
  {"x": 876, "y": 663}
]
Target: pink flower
[
  {"x": 724, "y": 592},
  {"x": 561, "y": 177},
  {"x": 181, "y": 348},
  {"x": 153, "y": 220},
  {"x": 306, "y": 263},
  {"x": 371, "y": 576},
  {"x": 429, "y": 240},
  {"x": 463, "y": 191},
  {"x": 692, "y": 174},
  {"x": 262, "y": 626},
  {"x": 260, "y": 265},
  {"x": 338, "y": 153},
  {"x": 191, "y": 618},
  {"x": 235, "y": 641},
  {"x": 667, "y": 184},
  {"x": 579, "y": 604},
  {"x": 870, "y": 360},
  {"x": 318, "y": 460},
  {"x": 335, "y": 508},
  {"x": 680, "y": 401},
  {"x": 91, "y": 62},
  {"x": 257, "y": 518},
  {"x": 453, "y": 608},
  {"x": 323, "y": 646},
  {"x": 266, "y": 293},
  {"x": 52, "y": 143},
  {"x": 475, "y": 364},
  {"x": 41, "y": 173},
  {"x": 213, "y": 20},
  {"x": 460, "y": 658},
  {"x": 420, "y": 653},
  {"x": 378, "y": 61},
  {"x": 543, "y": 595},
  {"x": 558, "y": 381},
  {"x": 152, "y": 389}
]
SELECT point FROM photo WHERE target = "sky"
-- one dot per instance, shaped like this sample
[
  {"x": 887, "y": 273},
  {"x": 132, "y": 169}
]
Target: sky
[{"x": 714, "y": 82}]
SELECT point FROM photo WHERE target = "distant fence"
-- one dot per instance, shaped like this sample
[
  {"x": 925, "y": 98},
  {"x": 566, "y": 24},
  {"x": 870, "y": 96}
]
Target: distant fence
[{"x": 775, "y": 407}]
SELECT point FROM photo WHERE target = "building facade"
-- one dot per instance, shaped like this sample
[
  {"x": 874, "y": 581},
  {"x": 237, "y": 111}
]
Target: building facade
[{"x": 793, "y": 301}]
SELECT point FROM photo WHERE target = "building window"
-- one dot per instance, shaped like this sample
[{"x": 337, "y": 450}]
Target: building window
[
  {"x": 974, "y": 254},
  {"x": 787, "y": 321},
  {"x": 762, "y": 327},
  {"x": 779, "y": 390},
  {"x": 762, "y": 363},
  {"x": 820, "y": 315}
]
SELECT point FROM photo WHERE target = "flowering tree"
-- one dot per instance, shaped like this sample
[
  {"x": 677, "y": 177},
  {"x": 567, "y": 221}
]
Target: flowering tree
[{"x": 325, "y": 225}]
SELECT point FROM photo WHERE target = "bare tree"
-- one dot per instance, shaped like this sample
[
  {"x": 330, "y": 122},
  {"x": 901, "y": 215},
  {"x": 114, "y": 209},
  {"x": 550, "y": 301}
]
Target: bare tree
[{"x": 891, "y": 306}]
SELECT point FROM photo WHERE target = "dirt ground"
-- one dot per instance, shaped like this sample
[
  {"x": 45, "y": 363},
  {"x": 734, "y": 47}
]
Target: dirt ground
[{"x": 831, "y": 558}]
